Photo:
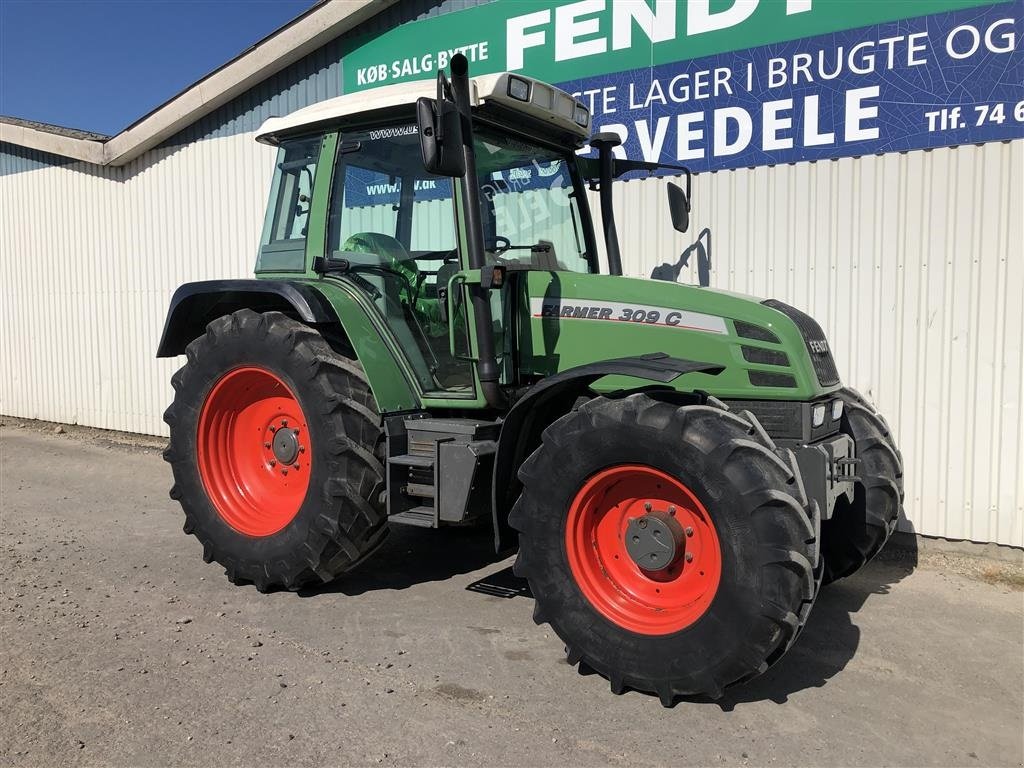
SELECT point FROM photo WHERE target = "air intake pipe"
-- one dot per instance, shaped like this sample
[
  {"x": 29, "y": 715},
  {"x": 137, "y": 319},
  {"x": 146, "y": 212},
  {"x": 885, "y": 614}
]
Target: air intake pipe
[
  {"x": 605, "y": 143},
  {"x": 487, "y": 363}
]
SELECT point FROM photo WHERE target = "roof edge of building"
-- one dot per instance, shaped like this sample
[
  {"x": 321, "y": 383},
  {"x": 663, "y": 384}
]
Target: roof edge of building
[{"x": 318, "y": 26}]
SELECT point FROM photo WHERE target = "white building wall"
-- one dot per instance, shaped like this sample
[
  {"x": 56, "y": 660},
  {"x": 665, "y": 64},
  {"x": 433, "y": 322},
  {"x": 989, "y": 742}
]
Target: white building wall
[
  {"x": 910, "y": 262},
  {"x": 88, "y": 265}
]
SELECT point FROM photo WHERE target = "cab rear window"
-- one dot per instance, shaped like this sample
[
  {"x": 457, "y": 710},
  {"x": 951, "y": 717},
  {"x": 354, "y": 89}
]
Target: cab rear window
[{"x": 283, "y": 244}]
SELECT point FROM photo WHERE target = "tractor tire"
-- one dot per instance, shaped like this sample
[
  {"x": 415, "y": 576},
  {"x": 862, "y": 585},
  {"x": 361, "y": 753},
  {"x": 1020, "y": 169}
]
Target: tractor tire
[
  {"x": 277, "y": 452},
  {"x": 857, "y": 531},
  {"x": 713, "y": 482}
]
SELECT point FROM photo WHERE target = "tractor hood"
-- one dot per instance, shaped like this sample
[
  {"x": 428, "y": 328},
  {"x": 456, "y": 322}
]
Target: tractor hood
[{"x": 770, "y": 351}]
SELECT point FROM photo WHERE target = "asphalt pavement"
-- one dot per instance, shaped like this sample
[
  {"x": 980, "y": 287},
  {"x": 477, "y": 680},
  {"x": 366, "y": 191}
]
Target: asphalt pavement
[{"x": 119, "y": 646}]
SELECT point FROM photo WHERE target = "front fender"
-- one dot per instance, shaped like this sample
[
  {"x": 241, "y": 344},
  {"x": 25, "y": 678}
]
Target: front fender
[{"x": 554, "y": 397}]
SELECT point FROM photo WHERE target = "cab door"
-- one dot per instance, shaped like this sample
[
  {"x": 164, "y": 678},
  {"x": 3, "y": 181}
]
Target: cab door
[{"x": 397, "y": 229}]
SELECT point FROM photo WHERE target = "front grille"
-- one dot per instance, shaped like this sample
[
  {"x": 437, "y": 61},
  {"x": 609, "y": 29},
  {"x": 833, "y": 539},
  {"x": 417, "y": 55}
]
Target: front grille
[
  {"x": 780, "y": 418},
  {"x": 756, "y": 332},
  {"x": 770, "y": 379},
  {"x": 764, "y": 356},
  {"x": 789, "y": 420},
  {"x": 814, "y": 338}
]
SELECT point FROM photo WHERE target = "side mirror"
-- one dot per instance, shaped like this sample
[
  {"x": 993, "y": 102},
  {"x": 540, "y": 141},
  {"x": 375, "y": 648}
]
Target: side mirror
[
  {"x": 679, "y": 207},
  {"x": 440, "y": 129}
]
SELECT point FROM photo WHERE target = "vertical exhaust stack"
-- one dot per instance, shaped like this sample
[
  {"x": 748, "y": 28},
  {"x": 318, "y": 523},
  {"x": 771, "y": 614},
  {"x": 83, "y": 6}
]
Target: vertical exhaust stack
[
  {"x": 605, "y": 143},
  {"x": 487, "y": 364}
]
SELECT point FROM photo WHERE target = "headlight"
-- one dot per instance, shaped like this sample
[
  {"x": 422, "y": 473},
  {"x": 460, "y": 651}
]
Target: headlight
[
  {"x": 519, "y": 89},
  {"x": 818, "y": 415},
  {"x": 837, "y": 410},
  {"x": 582, "y": 116}
]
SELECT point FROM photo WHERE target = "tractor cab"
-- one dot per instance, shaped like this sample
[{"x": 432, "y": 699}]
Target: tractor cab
[{"x": 401, "y": 235}]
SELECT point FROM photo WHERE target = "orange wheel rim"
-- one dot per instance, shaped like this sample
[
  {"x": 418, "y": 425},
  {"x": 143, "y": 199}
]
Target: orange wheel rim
[
  {"x": 253, "y": 451},
  {"x": 632, "y": 515}
]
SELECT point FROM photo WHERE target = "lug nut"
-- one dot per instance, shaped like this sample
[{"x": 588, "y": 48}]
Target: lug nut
[
  {"x": 273, "y": 429},
  {"x": 302, "y": 449},
  {"x": 689, "y": 531},
  {"x": 671, "y": 510},
  {"x": 647, "y": 506},
  {"x": 284, "y": 471},
  {"x": 689, "y": 557},
  {"x": 284, "y": 422},
  {"x": 297, "y": 466},
  {"x": 273, "y": 463},
  {"x": 641, "y": 523},
  {"x": 266, "y": 445}
]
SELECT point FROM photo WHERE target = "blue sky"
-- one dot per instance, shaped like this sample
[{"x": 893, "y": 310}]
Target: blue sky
[{"x": 99, "y": 65}]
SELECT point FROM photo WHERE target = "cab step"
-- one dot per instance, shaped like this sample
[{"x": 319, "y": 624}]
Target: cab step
[
  {"x": 421, "y": 517},
  {"x": 412, "y": 460},
  {"x": 438, "y": 470}
]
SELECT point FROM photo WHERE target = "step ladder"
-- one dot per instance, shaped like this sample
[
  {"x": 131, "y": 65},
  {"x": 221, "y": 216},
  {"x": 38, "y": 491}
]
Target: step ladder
[{"x": 439, "y": 470}]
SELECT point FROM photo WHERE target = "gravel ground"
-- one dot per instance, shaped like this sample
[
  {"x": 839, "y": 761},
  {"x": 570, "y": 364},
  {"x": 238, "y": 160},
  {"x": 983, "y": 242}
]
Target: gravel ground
[{"x": 121, "y": 647}]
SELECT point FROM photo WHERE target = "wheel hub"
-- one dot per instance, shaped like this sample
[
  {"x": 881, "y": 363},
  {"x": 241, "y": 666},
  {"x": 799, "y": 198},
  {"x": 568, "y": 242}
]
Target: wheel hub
[
  {"x": 286, "y": 445},
  {"x": 654, "y": 541}
]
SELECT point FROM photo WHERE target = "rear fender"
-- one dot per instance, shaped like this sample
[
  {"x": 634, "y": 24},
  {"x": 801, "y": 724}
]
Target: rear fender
[
  {"x": 194, "y": 305},
  {"x": 552, "y": 398},
  {"x": 328, "y": 308}
]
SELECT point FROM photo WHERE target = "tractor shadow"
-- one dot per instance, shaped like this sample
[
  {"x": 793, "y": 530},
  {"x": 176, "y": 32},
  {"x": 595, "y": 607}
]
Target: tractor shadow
[
  {"x": 830, "y": 638},
  {"x": 829, "y": 641},
  {"x": 411, "y": 556}
]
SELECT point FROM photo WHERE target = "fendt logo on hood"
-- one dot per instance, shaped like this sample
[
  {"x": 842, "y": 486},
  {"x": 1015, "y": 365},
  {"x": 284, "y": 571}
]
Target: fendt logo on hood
[{"x": 818, "y": 346}]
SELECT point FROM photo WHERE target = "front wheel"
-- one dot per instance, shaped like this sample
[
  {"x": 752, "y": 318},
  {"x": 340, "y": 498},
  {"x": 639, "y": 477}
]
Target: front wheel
[
  {"x": 857, "y": 531},
  {"x": 672, "y": 548},
  {"x": 276, "y": 449}
]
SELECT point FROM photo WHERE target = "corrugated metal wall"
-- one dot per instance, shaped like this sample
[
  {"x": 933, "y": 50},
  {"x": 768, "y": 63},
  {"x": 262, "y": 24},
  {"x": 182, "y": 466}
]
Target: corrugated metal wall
[
  {"x": 88, "y": 264},
  {"x": 911, "y": 262}
]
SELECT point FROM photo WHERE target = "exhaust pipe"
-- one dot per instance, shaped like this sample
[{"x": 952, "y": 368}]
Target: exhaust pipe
[{"x": 605, "y": 143}]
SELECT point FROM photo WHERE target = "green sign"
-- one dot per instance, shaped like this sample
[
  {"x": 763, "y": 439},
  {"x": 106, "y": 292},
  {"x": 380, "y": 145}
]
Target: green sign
[{"x": 558, "y": 40}]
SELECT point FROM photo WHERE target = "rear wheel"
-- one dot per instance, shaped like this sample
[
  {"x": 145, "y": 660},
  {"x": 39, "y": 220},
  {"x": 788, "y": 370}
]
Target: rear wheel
[
  {"x": 276, "y": 452},
  {"x": 857, "y": 531},
  {"x": 671, "y": 547}
]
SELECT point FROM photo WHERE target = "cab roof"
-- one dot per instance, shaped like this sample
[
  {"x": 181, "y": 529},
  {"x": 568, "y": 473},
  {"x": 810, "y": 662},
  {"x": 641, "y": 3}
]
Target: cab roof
[{"x": 545, "y": 103}]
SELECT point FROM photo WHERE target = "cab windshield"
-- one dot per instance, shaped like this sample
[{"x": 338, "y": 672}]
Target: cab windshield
[
  {"x": 396, "y": 227},
  {"x": 528, "y": 205},
  {"x": 389, "y": 210}
]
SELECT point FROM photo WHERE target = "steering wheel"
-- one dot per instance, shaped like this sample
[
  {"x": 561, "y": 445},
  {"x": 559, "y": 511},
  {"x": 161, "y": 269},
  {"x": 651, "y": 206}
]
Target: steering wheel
[{"x": 500, "y": 244}]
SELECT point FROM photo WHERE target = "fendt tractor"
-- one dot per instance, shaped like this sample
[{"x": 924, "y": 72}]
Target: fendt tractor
[{"x": 429, "y": 341}]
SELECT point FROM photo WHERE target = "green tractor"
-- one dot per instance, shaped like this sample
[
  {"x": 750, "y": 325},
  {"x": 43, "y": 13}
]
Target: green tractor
[{"x": 429, "y": 341}]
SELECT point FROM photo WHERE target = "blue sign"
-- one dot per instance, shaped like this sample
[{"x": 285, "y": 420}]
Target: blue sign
[{"x": 939, "y": 80}]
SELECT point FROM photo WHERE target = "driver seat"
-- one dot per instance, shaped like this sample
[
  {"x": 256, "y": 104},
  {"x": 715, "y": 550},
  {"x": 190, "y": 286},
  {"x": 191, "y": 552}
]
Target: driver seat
[{"x": 390, "y": 253}]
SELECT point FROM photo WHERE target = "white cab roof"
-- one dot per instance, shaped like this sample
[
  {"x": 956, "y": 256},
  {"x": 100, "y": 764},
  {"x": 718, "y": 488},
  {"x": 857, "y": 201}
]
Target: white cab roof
[{"x": 548, "y": 103}]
